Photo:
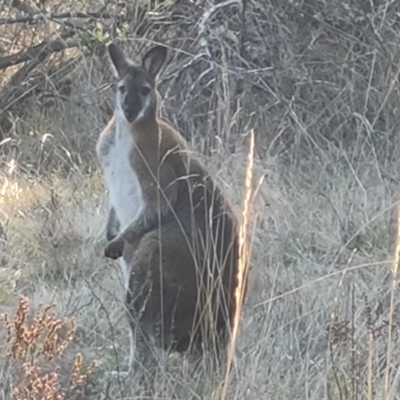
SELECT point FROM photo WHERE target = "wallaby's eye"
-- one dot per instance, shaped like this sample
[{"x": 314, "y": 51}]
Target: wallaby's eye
[
  {"x": 144, "y": 91},
  {"x": 122, "y": 89}
]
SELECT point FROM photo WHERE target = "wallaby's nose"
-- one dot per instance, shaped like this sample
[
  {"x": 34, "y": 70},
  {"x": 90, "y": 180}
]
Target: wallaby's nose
[
  {"x": 132, "y": 107},
  {"x": 131, "y": 113}
]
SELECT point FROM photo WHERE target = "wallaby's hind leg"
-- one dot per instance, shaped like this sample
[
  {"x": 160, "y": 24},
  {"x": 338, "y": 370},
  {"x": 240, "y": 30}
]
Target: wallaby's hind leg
[
  {"x": 179, "y": 300},
  {"x": 162, "y": 293}
]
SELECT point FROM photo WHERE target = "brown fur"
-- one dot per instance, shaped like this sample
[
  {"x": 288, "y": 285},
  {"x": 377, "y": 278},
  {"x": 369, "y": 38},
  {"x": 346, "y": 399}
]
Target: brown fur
[{"x": 183, "y": 248}]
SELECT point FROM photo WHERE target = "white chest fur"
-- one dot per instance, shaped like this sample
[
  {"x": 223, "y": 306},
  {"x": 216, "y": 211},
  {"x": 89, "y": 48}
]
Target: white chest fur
[{"x": 125, "y": 193}]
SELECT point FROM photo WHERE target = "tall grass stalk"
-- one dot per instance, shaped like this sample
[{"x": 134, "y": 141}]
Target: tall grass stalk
[
  {"x": 394, "y": 268},
  {"x": 243, "y": 262}
]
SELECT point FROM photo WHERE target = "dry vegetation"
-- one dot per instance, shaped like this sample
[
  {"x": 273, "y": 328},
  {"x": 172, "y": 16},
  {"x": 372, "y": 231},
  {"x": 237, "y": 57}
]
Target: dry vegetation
[
  {"x": 318, "y": 81},
  {"x": 34, "y": 351}
]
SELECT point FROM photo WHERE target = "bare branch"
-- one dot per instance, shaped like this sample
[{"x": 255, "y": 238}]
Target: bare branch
[
  {"x": 203, "y": 43},
  {"x": 39, "y": 17},
  {"x": 19, "y": 5},
  {"x": 40, "y": 51},
  {"x": 15, "y": 90}
]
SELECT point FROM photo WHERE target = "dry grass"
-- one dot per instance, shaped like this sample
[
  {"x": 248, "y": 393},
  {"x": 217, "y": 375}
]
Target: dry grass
[{"x": 318, "y": 83}]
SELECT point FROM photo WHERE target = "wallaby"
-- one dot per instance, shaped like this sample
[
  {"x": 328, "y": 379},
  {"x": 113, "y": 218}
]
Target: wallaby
[{"x": 175, "y": 230}]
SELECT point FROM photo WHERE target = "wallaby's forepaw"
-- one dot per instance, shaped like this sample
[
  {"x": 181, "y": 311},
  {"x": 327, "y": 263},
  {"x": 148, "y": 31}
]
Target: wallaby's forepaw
[{"x": 114, "y": 249}]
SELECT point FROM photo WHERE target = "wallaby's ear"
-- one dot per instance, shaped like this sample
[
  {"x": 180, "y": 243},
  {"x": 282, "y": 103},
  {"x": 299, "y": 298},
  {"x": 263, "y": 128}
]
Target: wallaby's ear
[
  {"x": 118, "y": 58},
  {"x": 154, "y": 59}
]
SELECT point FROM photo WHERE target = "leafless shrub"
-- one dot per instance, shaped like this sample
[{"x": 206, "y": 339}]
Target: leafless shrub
[{"x": 33, "y": 350}]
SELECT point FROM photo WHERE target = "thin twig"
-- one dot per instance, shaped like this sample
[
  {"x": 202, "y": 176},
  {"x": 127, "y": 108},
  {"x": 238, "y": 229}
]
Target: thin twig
[
  {"x": 181, "y": 68},
  {"x": 203, "y": 44},
  {"x": 210, "y": 11}
]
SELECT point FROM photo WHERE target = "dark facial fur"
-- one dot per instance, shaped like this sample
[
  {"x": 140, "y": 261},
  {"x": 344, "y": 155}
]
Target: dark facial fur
[{"x": 135, "y": 94}]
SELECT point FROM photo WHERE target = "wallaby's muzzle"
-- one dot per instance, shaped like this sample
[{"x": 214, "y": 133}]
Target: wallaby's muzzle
[
  {"x": 132, "y": 106},
  {"x": 131, "y": 113}
]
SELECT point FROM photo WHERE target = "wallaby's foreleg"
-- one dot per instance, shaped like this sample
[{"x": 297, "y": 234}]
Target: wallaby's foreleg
[
  {"x": 131, "y": 235},
  {"x": 159, "y": 204}
]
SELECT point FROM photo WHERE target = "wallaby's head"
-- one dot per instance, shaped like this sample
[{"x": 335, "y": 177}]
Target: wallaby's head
[{"x": 136, "y": 98}]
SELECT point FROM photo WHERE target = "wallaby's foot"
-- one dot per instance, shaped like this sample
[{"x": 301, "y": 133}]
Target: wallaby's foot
[{"x": 115, "y": 248}]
